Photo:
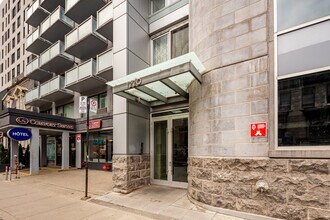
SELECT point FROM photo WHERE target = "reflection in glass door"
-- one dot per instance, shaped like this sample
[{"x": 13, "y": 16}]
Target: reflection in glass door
[
  {"x": 160, "y": 150},
  {"x": 180, "y": 149},
  {"x": 170, "y": 150}
]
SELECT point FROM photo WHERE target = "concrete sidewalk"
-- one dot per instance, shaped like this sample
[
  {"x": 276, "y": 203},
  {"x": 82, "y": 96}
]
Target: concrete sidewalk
[
  {"x": 160, "y": 202},
  {"x": 57, "y": 195}
]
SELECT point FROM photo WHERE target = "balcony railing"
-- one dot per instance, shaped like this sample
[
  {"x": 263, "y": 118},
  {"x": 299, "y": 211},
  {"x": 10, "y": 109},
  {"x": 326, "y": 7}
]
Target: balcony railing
[
  {"x": 32, "y": 66},
  {"x": 84, "y": 42},
  {"x": 57, "y": 15},
  {"x": 83, "y": 30},
  {"x": 32, "y": 95},
  {"x": 33, "y": 71},
  {"x": 105, "y": 15},
  {"x": 55, "y": 50},
  {"x": 32, "y": 37},
  {"x": 80, "y": 10},
  {"x": 36, "y": 44},
  {"x": 52, "y": 86},
  {"x": 105, "y": 64},
  {"x": 105, "y": 21},
  {"x": 35, "y": 14},
  {"x": 84, "y": 70}
]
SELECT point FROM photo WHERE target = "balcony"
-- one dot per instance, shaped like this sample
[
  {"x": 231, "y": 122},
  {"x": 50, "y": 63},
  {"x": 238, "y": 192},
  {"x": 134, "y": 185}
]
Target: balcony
[
  {"x": 105, "y": 65},
  {"x": 51, "y": 5},
  {"x": 55, "y": 59},
  {"x": 53, "y": 90},
  {"x": 36, "y": 44},
  {"x": 80, "y": 10},
  {"x": 56, "y": 26},
  {"x": 84, "y": 42},
  {"x": 33, "y": 71},
  {"x": 105, "y": 21},
  {"x": 83, "y": 78},
  {"x": 33, "y": 98},
  {"x": 35, "y": 14}
]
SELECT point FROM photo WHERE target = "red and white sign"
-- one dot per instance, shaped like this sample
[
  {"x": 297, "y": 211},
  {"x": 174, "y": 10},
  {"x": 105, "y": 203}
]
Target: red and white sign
[
  {"x": 93, "y": 106},
  {"x": 78, "y": 138},
  {"x": 258, "y": 129},
  {"x": 94, "y": 124}
]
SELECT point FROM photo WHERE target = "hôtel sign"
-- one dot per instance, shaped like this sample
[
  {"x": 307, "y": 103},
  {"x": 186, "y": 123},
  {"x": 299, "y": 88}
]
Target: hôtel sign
[{"x": 40, "y": 123}]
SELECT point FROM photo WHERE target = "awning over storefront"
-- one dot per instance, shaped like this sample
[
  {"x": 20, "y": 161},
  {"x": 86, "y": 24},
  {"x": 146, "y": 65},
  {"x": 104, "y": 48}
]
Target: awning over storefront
[{"x": 164, "y": 83}]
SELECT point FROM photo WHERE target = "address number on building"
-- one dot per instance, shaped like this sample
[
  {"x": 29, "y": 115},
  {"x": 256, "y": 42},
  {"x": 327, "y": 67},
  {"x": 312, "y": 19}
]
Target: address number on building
[{"x": 134, "y": 83}]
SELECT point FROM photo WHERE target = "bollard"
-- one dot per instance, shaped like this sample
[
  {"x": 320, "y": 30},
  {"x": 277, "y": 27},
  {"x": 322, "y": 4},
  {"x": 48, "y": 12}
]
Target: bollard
[
  {"x": 9, "y": 173},
  {"x": 6, "y": 177}
]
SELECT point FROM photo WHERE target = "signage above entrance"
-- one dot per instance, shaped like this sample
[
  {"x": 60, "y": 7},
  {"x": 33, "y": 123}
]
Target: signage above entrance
[
  {"x": 40, "y": 123},
  {"x": 19, "y": 134}
]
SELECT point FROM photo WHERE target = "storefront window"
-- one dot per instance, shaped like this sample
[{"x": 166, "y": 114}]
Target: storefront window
[
  {"x": 306, "y": 122},
  {"x": 291, "y": 13},
  {"x": 100, "y": 147}
]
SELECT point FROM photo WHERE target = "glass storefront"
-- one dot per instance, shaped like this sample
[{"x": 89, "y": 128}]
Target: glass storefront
[{"x": 100, "y": 147}]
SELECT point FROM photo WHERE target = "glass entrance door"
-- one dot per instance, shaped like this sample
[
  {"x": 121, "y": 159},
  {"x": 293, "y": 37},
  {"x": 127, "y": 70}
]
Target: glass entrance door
[{"x": 170, "y": 150}]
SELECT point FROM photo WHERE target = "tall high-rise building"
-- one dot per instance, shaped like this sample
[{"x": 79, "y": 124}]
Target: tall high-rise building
[{"x": 14, "y": 31}]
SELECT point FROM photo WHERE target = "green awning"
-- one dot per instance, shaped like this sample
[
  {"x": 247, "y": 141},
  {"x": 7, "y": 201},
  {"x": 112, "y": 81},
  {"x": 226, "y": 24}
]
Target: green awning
[{"x": 163, "y": 83}]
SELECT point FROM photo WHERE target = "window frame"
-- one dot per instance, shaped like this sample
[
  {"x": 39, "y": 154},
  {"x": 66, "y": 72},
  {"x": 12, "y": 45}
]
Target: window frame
[
  {"x": 167, "y": 32},
  {"x": 292, "y": 151}
]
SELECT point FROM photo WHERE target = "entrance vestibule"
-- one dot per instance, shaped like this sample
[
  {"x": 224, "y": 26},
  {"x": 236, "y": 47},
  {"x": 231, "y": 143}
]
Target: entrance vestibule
[{"x": 169, "y": 150}]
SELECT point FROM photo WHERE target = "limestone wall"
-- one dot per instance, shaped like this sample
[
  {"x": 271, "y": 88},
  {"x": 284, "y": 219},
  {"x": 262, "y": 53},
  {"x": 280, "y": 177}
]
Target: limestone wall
[
  {"x": 231, "y": 39},
  {"x": 298, "y": 189},
  {"x": 130, "y": 172}
]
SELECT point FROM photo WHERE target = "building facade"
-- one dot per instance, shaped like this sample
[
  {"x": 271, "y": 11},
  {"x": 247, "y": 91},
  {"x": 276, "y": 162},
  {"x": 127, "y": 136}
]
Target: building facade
[{"x": 182, "y": 87}]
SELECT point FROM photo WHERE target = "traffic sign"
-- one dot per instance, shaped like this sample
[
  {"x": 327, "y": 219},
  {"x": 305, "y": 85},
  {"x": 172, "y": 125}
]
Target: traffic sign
[
  {"x": 82, "y": 104},
  {"x": 78, "y": 138},
  {"x": 93, "y": 105},
  {"x": 258, "y": 129}
]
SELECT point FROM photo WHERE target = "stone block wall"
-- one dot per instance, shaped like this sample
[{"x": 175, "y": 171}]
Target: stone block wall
[
  {"x": 298, "y": 188},
  {"x": 130, "y": 172}
]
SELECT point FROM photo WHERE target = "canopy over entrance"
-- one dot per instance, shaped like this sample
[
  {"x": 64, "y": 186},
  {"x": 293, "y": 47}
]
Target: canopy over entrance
[{"x": 161, "y": 84}]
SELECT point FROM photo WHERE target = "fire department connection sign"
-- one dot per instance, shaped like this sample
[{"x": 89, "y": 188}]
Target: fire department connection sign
[{"x": 258, "y": 129}]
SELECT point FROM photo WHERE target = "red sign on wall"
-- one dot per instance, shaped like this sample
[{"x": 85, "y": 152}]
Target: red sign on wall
[
  {"x": 94, "y": 124},
  {"x": 258, "y": 129}
]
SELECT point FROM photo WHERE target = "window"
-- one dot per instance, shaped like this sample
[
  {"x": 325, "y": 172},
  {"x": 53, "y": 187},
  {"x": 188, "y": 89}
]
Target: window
[
  {"x": 13, "y": 73},
  {"x": 291, "y": 13},
  {"x": 18, "y": 53},
  {"x": 18, "y": 37},
  {"x": 13, "y": 27},
  {"x": 13, "y": 13},
  {"x": 13, "y": 42},
  {"x": 100, "y": 147},
  {"x": 18, "y": 69},
  {"x": 66, "y": 110},
  {"x": 308, "y": 121},
  {"x": 179, "y": 39},
  {"x": 102, "y": 102},
  {"x": 18, "y": 21},
  {"x": 12, "y": 58},
  {"x": 157, "y": 5},
  {"x": 303, "y": 75}
]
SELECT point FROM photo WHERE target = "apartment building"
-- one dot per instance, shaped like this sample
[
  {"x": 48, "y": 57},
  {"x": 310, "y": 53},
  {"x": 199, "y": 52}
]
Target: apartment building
[
  {"x": 228, "y": 99},
  {"x": 13, "y": 35}
]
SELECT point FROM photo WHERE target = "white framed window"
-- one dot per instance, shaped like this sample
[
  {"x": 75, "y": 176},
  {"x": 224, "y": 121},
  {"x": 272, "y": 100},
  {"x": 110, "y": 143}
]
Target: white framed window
[
  {"x": 302, "y": 76},
  {"x": 157, "y": 5},
  {"x": 174, "y": 43}
]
